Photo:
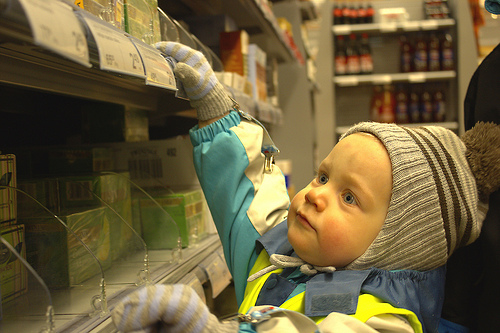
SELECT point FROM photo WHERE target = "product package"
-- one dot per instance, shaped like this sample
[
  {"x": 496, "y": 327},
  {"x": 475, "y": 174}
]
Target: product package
[
  {"x": 59, "y": 256},
  {"x": 142, "y": 20},
  {"x": 8, "y": 197},
  {"x": 234, "y": 51},
  {"x": 257, "y": 72},
  {"x": 13, "y": 274},
  {"x": 186, "y": 208},
  {"x": 65, "y": 194}
]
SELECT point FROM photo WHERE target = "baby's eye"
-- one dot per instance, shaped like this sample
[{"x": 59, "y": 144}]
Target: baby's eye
[
  {"x": 322, "y": 179},
  {"x": 349, "y": 198}
]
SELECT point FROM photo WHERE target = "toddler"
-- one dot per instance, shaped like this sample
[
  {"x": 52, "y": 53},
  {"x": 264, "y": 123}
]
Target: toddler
[{"x": 362, "y": 248}]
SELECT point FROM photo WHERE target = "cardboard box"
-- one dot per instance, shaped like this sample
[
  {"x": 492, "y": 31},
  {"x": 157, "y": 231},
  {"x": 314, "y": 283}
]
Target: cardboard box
[
  {"x": 207, "y": 28},
  {"x": 8, "y": 197},
  {"x": 58, "y": 256},
  {"x": 156, "y": 163},
  {"x": 234, "y": 51},
  {"x": 139, "y": 14},
  {"x": 257, "y": 72},
  {"x": 64, "y": 194},
  {"x": 13, "y": 274},
  {"x": 101, "y": 9},
  {"x": 185, "y": 208}
]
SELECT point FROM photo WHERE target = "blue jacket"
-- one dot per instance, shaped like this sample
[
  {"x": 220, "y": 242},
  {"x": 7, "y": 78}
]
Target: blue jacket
[{"x": 249, "y": 206}]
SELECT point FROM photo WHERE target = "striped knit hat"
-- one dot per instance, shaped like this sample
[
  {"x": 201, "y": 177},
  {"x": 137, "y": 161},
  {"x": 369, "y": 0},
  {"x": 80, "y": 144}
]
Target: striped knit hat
[{"x": 434, "y": 208}]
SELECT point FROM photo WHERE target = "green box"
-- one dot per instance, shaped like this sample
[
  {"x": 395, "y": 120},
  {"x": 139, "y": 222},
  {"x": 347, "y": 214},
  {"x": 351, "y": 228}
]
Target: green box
[
  {"x": 13, "y": 274},
  {"x": 139, "y": 16},
  {"x": 8, "y": 197},
  {"x": 57, "y": 255},
  {"x": 70, "y": 193},
  {"x": 185, "y": 208}
]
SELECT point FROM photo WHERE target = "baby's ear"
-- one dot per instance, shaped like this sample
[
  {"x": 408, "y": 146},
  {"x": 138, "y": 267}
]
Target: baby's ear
[{"x": 483, "y": 154}]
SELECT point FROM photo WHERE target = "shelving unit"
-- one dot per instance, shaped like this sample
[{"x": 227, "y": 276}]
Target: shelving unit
[
  {"x": 345, "y": 100},
  {"x": 48, "y": 80}
]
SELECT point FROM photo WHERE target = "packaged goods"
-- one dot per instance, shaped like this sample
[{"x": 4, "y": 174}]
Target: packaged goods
[
  {"x": 186, "y": 209},
  {"x": 142, "y": 20},
  {"x": 109, "y": 11},
  {"x": 8, "y": 197},
  {"x": 257, "y": 72},
  {"x": 234, "y": 51},
  {"x": 58, "y": 255},
  {"x": 13, "y": 274}
]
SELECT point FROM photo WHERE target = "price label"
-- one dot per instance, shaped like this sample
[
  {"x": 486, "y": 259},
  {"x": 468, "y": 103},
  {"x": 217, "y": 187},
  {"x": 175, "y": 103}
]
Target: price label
[
  {"x": 55, "y": 27},
  {"x": 381, "y": 79},
  {"x": 342, "y": 29},
  {"x": 158, "y": 71},
  {"x": 117, "y": 53}
]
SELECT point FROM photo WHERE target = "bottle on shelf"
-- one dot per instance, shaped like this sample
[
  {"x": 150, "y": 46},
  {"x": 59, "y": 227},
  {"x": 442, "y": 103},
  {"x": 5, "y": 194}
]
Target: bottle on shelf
[
  {"x": 365, "y": 55},
  {"x": 337, "y": 15},
  {"x": 447, "y": 53},
  {"x": 434, "y": 61},
  {"x": 346, "y": 15},
  {"x": 426, "y": 109},
  {"x": 420, "y": 55},
  {"x": 361, "y": 13},
  {"x": 340, "y": 56},
  {"x": 370, "y": 13},
  {"x": 402, "y": 114},
  {"x": 376, "y": 103},
  {"x": 414, "y": 106},
  {"x": 352, "y": 53},
  {"x": 406, "y": 55},
  {"x": 388, "y": 107},
  {"x": 353, "y": 13},
  {"x": 438, "y": 106}
]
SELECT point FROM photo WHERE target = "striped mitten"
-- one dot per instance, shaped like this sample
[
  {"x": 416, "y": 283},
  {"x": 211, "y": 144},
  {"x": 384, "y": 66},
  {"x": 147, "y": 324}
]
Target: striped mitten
[
  {"x": 167, "y": 308},
  {"x": 204, "y": 91}
]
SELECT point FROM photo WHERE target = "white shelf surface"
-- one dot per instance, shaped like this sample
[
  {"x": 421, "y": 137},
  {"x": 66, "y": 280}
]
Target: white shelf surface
[
  {"x": 413, "y": 77},
  {"x": 424, "y": 25}
]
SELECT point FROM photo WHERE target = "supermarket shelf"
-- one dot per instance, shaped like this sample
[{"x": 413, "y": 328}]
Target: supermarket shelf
[
  {"x": 166, "y": 273},
  {"x": 32, "y": 67},
  {"x": 414, "y": 77},
  {"x": 345, "y": 29},
  {"x": 451, "y": 125},
  {"x": 259, "y": 21}
]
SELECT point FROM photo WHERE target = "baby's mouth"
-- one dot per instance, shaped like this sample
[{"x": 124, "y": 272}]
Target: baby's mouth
[{"x": 303, "y": 220}]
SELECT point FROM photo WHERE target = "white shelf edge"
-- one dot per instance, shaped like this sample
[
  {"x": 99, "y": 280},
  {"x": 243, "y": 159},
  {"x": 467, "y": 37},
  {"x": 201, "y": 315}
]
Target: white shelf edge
[
  {"x": 413, "y": 77},
  {"x": 345, "y": 29}
]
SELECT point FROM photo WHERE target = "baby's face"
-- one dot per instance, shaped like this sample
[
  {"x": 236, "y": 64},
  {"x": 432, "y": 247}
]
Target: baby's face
[{"x": 337, "y": 216}]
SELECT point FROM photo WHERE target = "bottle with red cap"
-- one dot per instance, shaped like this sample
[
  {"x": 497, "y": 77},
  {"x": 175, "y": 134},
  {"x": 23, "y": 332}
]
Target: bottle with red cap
[
  {"x": 352, "y": 52},
  {"x": 365, "y": 55},
  {"x": 340, "y": 56}
]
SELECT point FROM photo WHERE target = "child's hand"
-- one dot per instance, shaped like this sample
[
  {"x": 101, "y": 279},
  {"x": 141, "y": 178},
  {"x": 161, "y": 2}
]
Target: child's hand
[
  {"x": 205, "y": 92},
  {"x": 167, "y": 308}
]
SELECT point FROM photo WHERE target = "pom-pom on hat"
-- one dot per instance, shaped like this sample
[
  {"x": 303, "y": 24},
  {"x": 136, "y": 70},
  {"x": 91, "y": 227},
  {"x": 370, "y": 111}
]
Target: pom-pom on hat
[{"x": 435, "y": 207}]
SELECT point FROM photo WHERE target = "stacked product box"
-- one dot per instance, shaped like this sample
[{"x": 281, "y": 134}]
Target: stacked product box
[
  {"x": 234, "y": 51},
  {"x": 185, "y": 218},
  {"x": 110, "y": 11},
  {"x": 157, "y": 163},
  {"x": 81, "y": 193},
  {"x": 13, "y": 274},
  {"x": 58, "y": 254},
  {"x": 257, "y": 72},
  {"x": 207, "y": 28},
  {"x": 55, "y": 161},
  {"x": 8, "y": 197},
  {"x": 142, "y": 20}
]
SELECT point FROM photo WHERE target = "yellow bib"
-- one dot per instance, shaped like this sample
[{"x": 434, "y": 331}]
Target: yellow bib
[{"x": 368, "y": 305}]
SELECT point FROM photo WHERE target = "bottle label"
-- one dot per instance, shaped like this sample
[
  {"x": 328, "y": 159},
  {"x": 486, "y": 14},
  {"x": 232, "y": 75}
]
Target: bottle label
[
  {"x": 366, "y": 63},
  {"x": 340, "y": 65},
  {"x": 353, "y": 65}
]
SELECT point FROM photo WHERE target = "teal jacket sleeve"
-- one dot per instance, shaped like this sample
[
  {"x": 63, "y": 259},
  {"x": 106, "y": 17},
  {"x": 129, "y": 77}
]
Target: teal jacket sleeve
[{"x": 244, "y": 201}]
